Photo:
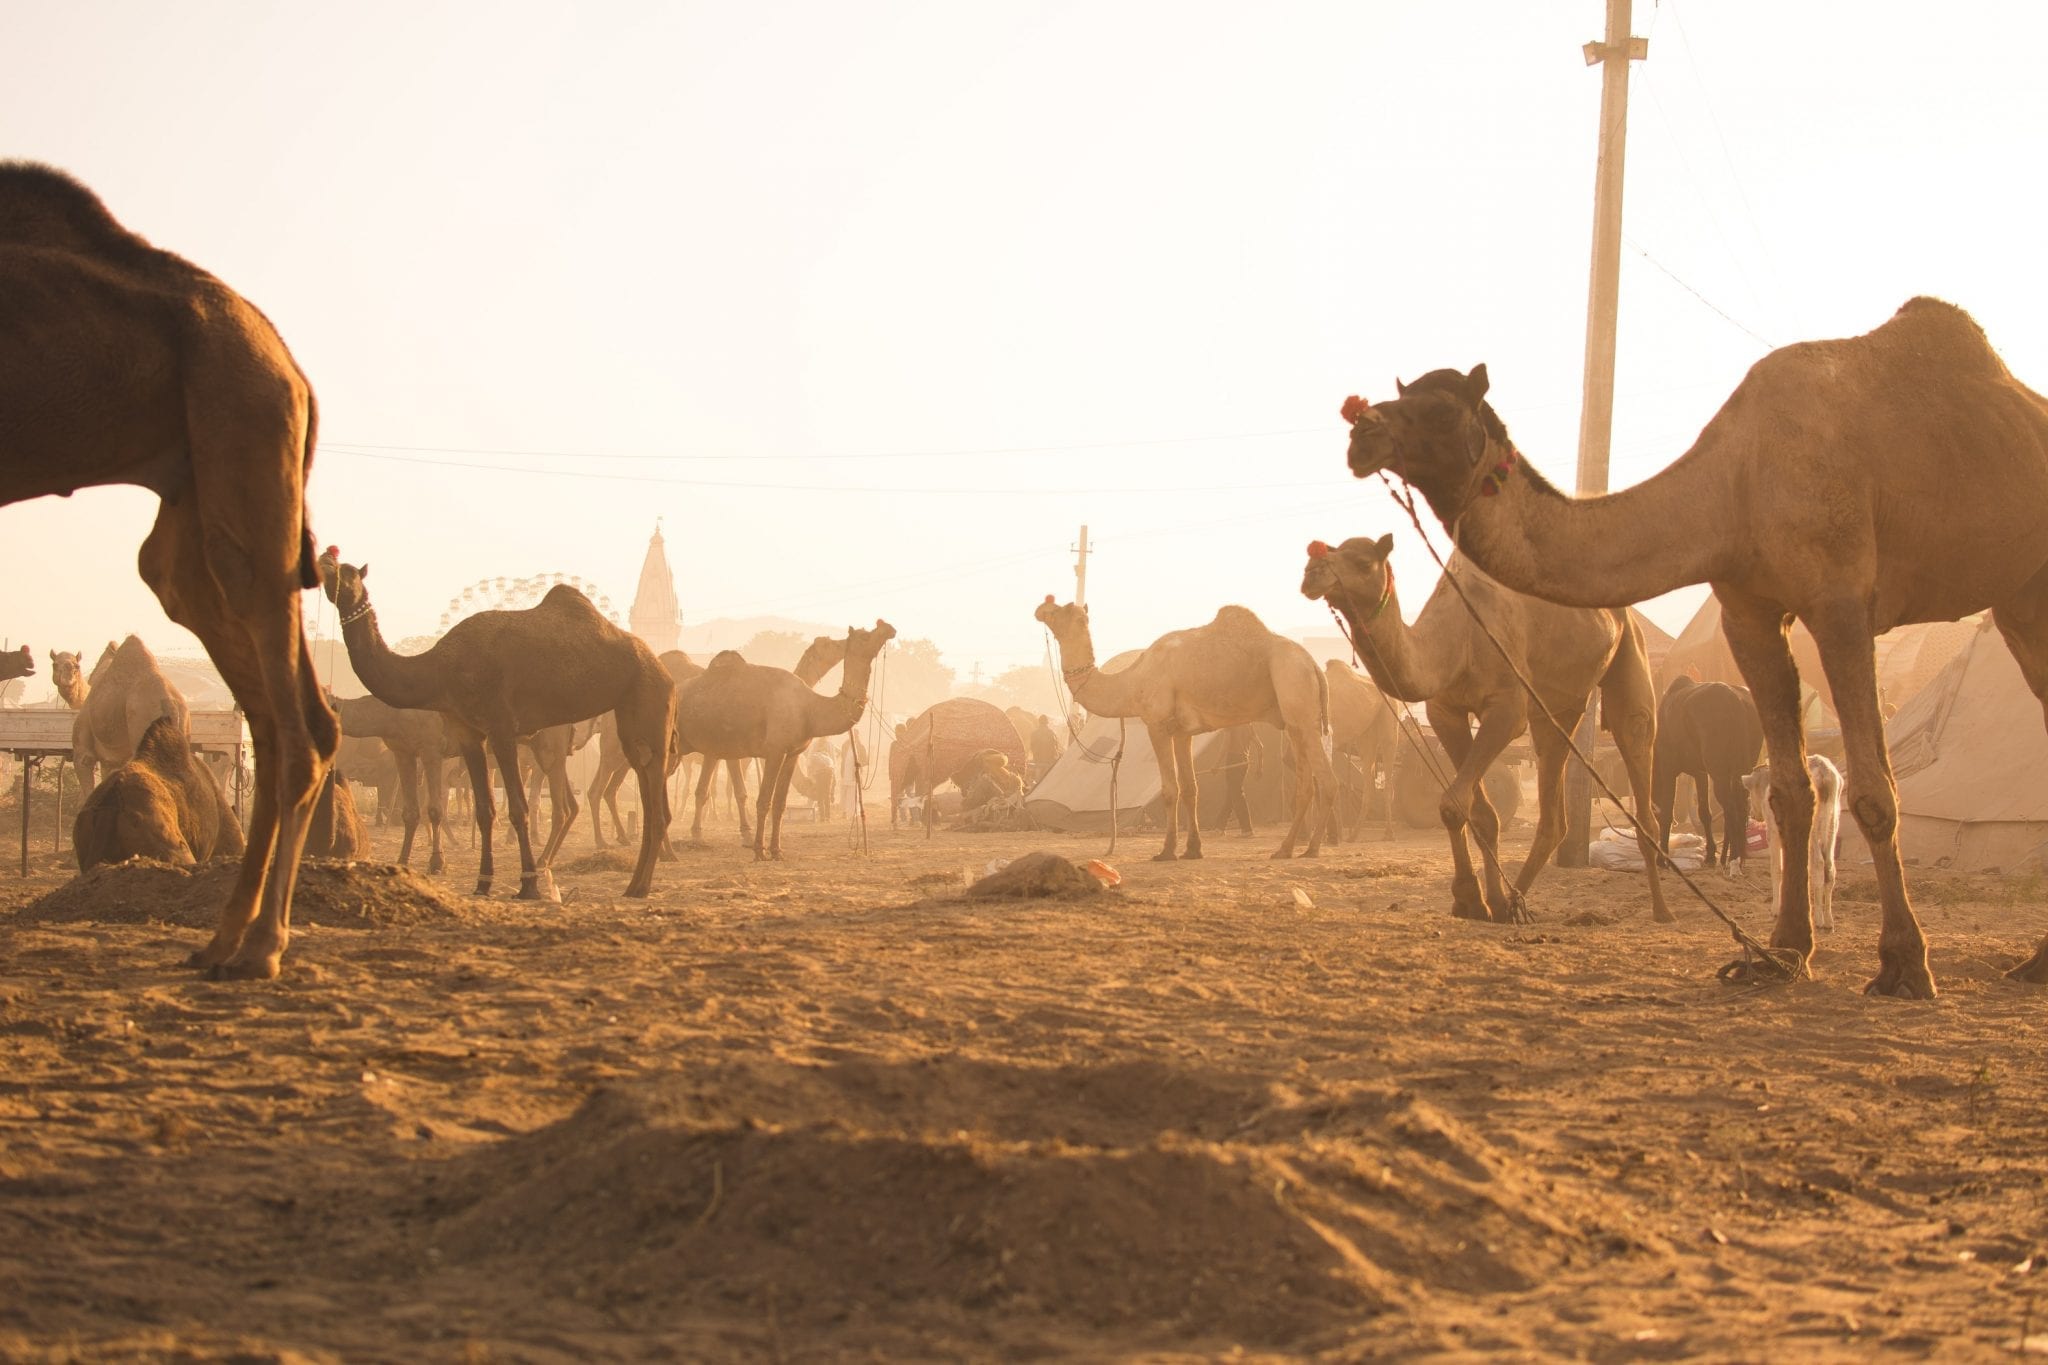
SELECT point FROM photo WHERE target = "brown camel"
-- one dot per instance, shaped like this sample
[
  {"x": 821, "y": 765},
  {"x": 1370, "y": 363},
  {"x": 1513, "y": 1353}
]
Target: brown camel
[
  {"x": 120, "y": 363},
  {"x": 1708, "y": 732},
  {"x": 163, "y": 803},
  {"x": 742, "y": 710},
  {"x": 1231, "y": 671},
  {"x": 337, "y": 830},
  {"x": 17, "y": 663},
  {"x": 124, "y": 695},
  {"x": 500, "y": 675},
  {"x": 420, "y": 747},
  {"x": 1855, "y": 485},
  {"x": 1364, "y": 726},
  {"x": 1446, "y": 662}
]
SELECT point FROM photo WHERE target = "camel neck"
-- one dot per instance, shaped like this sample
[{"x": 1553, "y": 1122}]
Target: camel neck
[
  {"x": 1104, "y": 694},
  {"x": 1407, "y": 663},
  {"x": 395, "y": 679},
  {"x": 842, "y": 710},
  {"x": 1604, "y": 550}
]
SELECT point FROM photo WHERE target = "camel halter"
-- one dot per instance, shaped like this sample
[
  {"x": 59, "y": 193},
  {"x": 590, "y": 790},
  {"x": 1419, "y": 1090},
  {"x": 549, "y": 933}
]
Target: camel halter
[
  {"x": 1320, "y": 550},
  {"x": 358, "y": 614}
]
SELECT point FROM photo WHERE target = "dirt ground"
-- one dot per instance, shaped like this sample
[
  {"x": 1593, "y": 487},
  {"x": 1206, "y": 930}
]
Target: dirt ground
[{"x": 822, "y": 1109}]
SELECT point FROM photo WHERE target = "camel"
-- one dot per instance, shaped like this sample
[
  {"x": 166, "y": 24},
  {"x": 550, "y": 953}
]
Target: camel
[
  {"x": 499, "y": 676},
  {"x": 1853, "y": 485},
  {"x": 820, "y": 657},
  {"x": 163, "y": 803},
  {"x": 1708, "y": 732},
  {"x": 121, "y": 363},
  {"x": 125, "y": 693},
  {"x": 742, "y": 710},
  {"x": 1446, "y": 662},
  {"x": 1231, "y": 671},
  {"x": 337, "y": 830},
  {"x": 1827, "y": 825},
  {"x": 1364, "y": 726},
  {"x": 420, "y": 747},
  {"x": 17, "y": 663}
]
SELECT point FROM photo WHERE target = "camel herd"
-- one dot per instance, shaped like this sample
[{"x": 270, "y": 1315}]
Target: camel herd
[{"x": 1854, "y": 485}]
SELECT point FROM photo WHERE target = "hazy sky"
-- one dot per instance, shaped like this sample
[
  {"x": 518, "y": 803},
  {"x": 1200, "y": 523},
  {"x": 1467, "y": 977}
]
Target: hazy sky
[{"x": 875, "y": 304}]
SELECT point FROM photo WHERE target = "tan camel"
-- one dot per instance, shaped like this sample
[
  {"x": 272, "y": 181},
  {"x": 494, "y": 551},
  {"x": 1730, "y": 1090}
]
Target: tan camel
[
  {"x": 124, "y": 695},
  {"x": 1446, "y": 662},
  {"x": 500, "y": 675},
  {"x": 1363, "y": 725},
  {"x": 1231, "y": 671},
  {"x": 1855, "y": 485},
  {"x": 420, "y": 747},
  {"x": 742, "y": 710},
  {"x": 120, "y": 363},
  {"x": 820, "y": 657},
  {"x": 163, "y": 803}
]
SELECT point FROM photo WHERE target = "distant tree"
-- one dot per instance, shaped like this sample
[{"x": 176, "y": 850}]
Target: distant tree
[
  {"x": 911, "y": 677},
  {"x": 775, "y": 648},
  {"x": 1028, "y": 686}
]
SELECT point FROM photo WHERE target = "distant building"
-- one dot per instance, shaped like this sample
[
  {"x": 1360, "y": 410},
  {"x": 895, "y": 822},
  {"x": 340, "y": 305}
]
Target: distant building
[{"x": 657, "y": 616}]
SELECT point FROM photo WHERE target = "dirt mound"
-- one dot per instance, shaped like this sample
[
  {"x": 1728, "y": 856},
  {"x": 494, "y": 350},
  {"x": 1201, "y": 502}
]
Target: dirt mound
[
  {"x": 1034, "y": 875},
  {"x": 603, "y": 860},
  {"x": 1136, "y": 1202},
  {"x": 345, "y": 895}
]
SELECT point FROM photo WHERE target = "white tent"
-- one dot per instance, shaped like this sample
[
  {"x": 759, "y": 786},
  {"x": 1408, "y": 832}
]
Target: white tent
[
  {"x": 1075, "y": 796},
  {"x": 1971, "y": 759}
]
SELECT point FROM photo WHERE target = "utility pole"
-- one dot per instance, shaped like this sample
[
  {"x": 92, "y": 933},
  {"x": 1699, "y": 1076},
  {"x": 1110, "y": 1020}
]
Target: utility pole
[
  {"x": 1603, "y": 304},
  {"x": 1081, "y": 570}
]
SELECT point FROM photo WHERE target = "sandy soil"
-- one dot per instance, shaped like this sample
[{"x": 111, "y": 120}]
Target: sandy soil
[{"x": 823, "y": 1109}]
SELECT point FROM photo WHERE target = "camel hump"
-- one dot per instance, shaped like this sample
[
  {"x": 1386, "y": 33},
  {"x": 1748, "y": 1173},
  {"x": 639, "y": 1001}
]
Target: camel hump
[
  {"x": 562, "y": 595},
  {"x": 1238, "y": 618},
  {"x": 725, "y": 658},
  {"x": 164, "y": 747},
  {"x": 42, "y": 206}
]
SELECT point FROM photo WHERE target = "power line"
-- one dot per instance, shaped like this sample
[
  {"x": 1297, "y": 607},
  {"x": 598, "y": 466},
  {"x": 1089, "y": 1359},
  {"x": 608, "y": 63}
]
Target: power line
[
  {"x": 770, "y": 487},
  {"x": 1075, "y": 446},
  {"x": 1726, "y": 316}
]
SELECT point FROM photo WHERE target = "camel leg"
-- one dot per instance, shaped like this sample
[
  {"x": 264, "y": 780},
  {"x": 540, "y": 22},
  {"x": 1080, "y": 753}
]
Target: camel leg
[
  {"x": 604, "y": 785},
  {"x": 1189, "y": 785},
  {"x": 1486, "y": 825},
  {"x": 2024, "y": 624},
  {"x": 1498, "y": 726},
  {"x": 1308, "y": 811},
  {"x": 198, "y": 561},
  {"x": 785, "y": 774},
  {"x": 409, "y": 799},
  {"x": 1702, "y": 800},
  {"x": 434, "y": 776},
  {"x": 1169, "y": 791},
  {"x": 704, "y": 775},
  {"x": 736, "y": 773},
  {"x": 1551, "y": 753},
  {"x": 518, "y": 814},
  {"x": 1733, "y": 798},
  {"x": 564, "y": 809},
  {"x": 1628, "y": 710},
  {"x": 484, "y": 807},
  {"x": 764, "y": 798},
  {"x": 1756, "y": 636},
  {"x": 1843, "y": 634}
]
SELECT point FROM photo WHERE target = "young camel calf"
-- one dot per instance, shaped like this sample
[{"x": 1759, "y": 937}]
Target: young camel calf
[{"x": 1827, "y": 822}]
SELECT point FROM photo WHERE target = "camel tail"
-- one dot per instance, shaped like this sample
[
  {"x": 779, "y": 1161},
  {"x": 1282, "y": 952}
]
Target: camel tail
[
  {"x": 1322, "y": 702},
  {"x": 309, "y": 551}
]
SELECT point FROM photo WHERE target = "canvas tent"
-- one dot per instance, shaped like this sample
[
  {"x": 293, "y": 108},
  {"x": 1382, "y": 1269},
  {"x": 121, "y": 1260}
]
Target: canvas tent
[{"x": 1971, "y": 759}]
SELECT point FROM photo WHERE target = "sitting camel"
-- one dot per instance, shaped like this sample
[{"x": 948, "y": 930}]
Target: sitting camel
[
  {"x": 1231, "y": 671},
  {"x": 1447, "y": 663},
  {"x": 1854, "y": 485},
  {"x": 1708, "y": 732},
  {"x": 498, "y": 676},
  {"x": 163, "y": 803},
  {"x": 337, "y": 829},
  {"x": 742, "y": 710},
  {"x": 420, "y": 747},
  {"x": 124, "y": 695}
]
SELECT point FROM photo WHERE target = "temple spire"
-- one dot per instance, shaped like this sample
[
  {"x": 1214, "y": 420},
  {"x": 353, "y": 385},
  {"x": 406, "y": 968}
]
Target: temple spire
[{"x": 656, "y": 616}]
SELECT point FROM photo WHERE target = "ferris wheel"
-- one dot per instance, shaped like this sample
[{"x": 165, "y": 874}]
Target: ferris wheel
[{"x": 517, "y": 594}]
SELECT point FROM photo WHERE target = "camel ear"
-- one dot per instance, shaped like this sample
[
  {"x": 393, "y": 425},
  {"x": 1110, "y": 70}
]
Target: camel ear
[
  {"x": 363, "y": 572},
  {"x": 1400, "y": 389},
  {"x": 1384, "y": 546},
  {"x": 1475, "y": 384}
]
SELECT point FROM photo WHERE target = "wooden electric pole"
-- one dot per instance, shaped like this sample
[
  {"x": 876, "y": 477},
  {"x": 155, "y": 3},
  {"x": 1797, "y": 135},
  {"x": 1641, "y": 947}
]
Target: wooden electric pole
[
  {"x": 1603, "y": 303},
  {"x": 1081, "y": 570}
]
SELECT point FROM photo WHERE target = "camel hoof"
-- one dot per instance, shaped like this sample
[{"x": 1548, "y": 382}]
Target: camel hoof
[
  {"x": 264, "y": 968},
  {"x": 1279, "y": 855},
  {"x": 434, "y": 867},
  {"x": 1477, "y": 913},
  {"x": 1662, "y": 915},
  {"x": 1901, "y": 986},
  {"x": 1166, "y": 857},
  {"x": 483, "y": 886},
  {"x": 1192, "y": 855}
]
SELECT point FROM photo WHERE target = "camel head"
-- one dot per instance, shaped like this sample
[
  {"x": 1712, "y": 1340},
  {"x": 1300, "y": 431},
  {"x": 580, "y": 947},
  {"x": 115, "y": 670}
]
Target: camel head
[
  {"x": 1354, "y": 574},
  {"x": 866, "y": 644},
  {"x": 65, "y": 670},
  {"x": 18, "y": 663},
  {"x": 1434, "y": 434},
  {"x": 823, "y": 654},
  {"x": 343, "y": 584},
  {"x": 1064, "y": 621}
]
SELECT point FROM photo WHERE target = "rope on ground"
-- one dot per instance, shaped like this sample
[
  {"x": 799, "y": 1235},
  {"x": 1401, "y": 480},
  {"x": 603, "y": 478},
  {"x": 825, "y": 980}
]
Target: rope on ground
[{"x": 1757, "y": 956}]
